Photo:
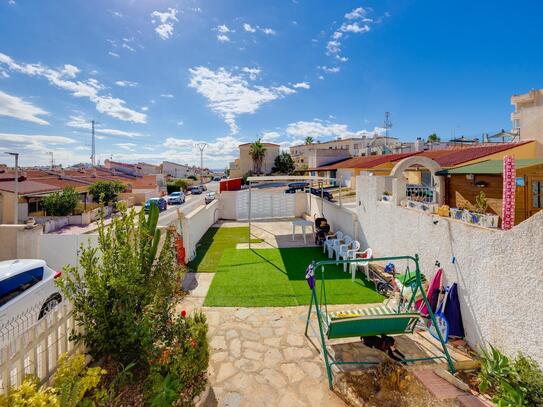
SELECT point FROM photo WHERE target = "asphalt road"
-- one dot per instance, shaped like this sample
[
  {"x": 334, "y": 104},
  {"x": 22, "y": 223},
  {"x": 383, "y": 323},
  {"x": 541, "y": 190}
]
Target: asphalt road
[{"x": 191, "y": 203}]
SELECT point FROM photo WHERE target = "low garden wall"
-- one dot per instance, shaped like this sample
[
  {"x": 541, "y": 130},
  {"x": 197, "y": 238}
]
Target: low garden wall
[
  {"x": 195, "y": 224},
  {"x": 499, "y": 273}
]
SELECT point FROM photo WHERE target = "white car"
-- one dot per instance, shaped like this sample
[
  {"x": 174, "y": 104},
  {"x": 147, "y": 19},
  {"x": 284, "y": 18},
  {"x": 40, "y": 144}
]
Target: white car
[{"x": 27, "y": 293}]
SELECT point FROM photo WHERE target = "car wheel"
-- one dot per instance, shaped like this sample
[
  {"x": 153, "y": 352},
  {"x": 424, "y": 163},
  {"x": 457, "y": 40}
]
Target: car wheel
[{"x": 49, "y": 305}]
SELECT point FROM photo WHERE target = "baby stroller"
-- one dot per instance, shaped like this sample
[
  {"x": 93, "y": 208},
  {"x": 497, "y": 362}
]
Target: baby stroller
[{"x": 322, "y": 228}]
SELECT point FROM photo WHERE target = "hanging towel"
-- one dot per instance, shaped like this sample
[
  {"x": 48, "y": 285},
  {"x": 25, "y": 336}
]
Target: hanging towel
[
  {"x": 453, "y": 314},
  {"x": 434, "y": 286}
]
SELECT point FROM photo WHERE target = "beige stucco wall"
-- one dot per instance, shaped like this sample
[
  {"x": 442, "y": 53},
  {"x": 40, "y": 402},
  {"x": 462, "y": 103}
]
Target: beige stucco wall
[
  {"x": 498, "y": 272},
  {"x": 246, "y": 162},
  {"x": 19, "y": 242}
]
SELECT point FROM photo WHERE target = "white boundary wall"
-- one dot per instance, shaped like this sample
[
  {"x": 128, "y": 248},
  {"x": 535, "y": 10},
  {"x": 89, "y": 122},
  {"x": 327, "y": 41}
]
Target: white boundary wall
[
  {"x": 499, "y": 273},
  {"x": 60, "y": 250},
  {"x": 195, "y": 224}
]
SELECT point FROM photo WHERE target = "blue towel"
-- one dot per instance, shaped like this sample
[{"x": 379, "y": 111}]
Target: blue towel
[{"x": 453, "y": 314}]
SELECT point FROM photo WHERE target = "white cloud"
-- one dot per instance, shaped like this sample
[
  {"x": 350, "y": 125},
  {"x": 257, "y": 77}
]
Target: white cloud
[
  {"x": 113, "y": 54},
  {"x": 270, "y": 136},
  {"x": 230, "y": 95},
  {"x": 13, "y": 106},
  {"x": 223, "y": 38},
  {"x": 330, "y": 69},
  {"x": 248, "y": 28},
  {"x": 253, "y": 72},
  {"x": 145, "y": 108},
  {"x": 166, "y": 95},
  {"x": 89, "y": 89},
  {"x": 319, "y": 128},
  {"x": 223, "y": 148},
  {"x": 80, "y": 122},
  {"x": 303, "y": 85},
  {"x": 358, "y": 12},
  {"x": 126, "y": 84},
  {"x": 355, "y": 28},
  {"x": 126, "y": 146},
  {"x": 355, "y": 23},
  {"x": 128, "y": 47},
  {"x": 34, "y": 142},
  {"x": 167, "y": 20},
  {"x": 268, "y": 31},
  {"x": 223, "y": 29},
  {"x": 180, "y": 123}
]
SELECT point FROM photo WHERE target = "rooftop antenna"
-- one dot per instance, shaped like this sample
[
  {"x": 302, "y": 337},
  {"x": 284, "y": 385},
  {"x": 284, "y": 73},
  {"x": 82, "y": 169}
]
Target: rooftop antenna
[{"x": 387, "y": 124}]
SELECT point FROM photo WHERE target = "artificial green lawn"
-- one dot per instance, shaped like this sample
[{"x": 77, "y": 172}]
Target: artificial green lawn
[
  {"x": 276, "y": 277},
  {"x": 212, "y": 245}
]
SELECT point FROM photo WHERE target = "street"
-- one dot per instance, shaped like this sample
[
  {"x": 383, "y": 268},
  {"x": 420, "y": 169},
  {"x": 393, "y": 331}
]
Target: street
[{"x": 191, "y": 203}]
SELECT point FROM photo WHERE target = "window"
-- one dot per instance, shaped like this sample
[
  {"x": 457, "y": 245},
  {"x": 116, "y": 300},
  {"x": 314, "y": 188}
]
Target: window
[
  {"x": 537, "y": 194},
  {"x": 18, "y": 284}
]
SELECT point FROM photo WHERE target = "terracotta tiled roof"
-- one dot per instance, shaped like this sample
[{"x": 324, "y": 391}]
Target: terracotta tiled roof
[
  {"x": 454, "y": 156},
  {"x": 369, "y": 161},
  {"x": 27, "y": 187}
]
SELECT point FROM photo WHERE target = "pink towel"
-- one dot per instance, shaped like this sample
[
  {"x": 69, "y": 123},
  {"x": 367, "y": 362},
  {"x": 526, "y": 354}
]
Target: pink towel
[{"x": 435, "y": 284}]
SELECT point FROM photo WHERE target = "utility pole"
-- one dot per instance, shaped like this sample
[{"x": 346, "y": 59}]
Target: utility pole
[
  {"x": 93, "y": 147},
  {"x": 16, "y": 189},
  {"x": 201, "y": 147},
  {"x": 52, "y": 154}
]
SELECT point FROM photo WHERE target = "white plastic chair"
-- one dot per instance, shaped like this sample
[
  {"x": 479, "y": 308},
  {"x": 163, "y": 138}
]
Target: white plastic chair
[
  {"x": 350, "y": 253},
  {"x": 368, "y": 254},
  {"x": 341, "y": 247},
  {"x": 329, "y": 242}
]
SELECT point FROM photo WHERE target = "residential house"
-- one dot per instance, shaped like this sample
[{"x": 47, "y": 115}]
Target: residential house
[
  {"x": 463, "y": 184},
  {"x": 527, "y": 119},
  {"x": 304, "y": 157},
  {"x": 175, "y": 170},
  {"x": 148, "y": 169},
  {"x": 451, "y": 157},
  {"x": 244, "y": 163}
]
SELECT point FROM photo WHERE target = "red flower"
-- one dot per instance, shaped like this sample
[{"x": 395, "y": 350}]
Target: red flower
[
  {"x": 192, "y": 343},
  {"x": 183, "y": 313}
]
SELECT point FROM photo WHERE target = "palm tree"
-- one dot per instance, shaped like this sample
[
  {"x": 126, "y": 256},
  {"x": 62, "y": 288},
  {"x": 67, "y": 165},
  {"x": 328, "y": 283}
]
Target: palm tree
[
  {"x": 309, "y": 140},
  {"x": 257, "y": 151}
]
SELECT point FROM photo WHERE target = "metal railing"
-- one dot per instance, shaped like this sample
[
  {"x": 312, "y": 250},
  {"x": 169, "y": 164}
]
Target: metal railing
[
  {"x": 421, "y": 193},
  {"x": 30, "y": 347}
]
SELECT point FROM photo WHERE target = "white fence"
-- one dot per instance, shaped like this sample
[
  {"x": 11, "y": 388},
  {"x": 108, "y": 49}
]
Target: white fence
[
  {"x": 265, "y": 204},
  {"x": 36, "y": 350}
]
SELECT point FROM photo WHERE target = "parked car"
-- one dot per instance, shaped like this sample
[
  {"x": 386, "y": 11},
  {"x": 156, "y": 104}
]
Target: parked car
[
  {"x": 203, "y": 187},
  {"x": 298, "y": 185},
  {"x": 195, "y": 190},
  {"x": 159, "y": 202},
  {"x": 210, "y": 196},
  {"x": 176, "y": 198},
  {"x": 27, "y": 293},
  {"x": 216, "y": 178},
  {"x": 325, "y": 194}
]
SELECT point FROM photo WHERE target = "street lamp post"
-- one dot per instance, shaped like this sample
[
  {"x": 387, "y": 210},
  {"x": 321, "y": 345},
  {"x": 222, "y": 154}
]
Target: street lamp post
[
  {"x": 202, "y": 146},
  {"x": 16, "y": 188}
]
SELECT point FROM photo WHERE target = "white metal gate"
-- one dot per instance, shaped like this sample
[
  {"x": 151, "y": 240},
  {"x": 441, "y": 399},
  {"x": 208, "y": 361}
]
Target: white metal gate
[{"x": 265, "y": 205}]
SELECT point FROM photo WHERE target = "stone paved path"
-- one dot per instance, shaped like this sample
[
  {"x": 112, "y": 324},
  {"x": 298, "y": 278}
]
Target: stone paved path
[{"x": 260, "y": 357}]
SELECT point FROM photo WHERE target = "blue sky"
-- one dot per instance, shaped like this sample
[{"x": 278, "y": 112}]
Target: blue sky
[{"x": 159, "y": 76}]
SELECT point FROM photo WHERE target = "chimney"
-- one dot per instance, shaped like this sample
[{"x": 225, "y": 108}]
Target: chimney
[{"x": 419, "y": 144}]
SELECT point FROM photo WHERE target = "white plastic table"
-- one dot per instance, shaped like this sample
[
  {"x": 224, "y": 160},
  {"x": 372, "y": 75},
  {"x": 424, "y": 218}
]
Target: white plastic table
[{"x": 303, "y": 223}]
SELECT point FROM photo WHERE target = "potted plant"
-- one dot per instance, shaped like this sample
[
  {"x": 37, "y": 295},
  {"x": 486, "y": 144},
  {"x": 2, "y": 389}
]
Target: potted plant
[
  {"x": 458, "y": 213},
  {"x": 488, "y": 220}
]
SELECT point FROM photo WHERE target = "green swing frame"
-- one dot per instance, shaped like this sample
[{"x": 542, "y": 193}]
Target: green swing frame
[{"x": 371, "y": 321}]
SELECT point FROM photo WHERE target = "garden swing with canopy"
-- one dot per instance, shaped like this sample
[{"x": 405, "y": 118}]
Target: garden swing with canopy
[{"x": 372, "y": 321}]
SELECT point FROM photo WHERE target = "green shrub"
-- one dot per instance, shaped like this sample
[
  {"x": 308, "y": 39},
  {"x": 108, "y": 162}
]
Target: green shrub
[
  {"x": 180, "y": 362},
  {"x": 177, "y": 185},
  {"x": 515, "y": 383},
  {"x": 531, "y": 378},
  {"x": 73, "y": 385},
  {"x": 119, "y": 284},
  {"x": 192, "y": 177},
  {"x": 61, "y": 203},
  {"x": 106, "y": 191}
]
